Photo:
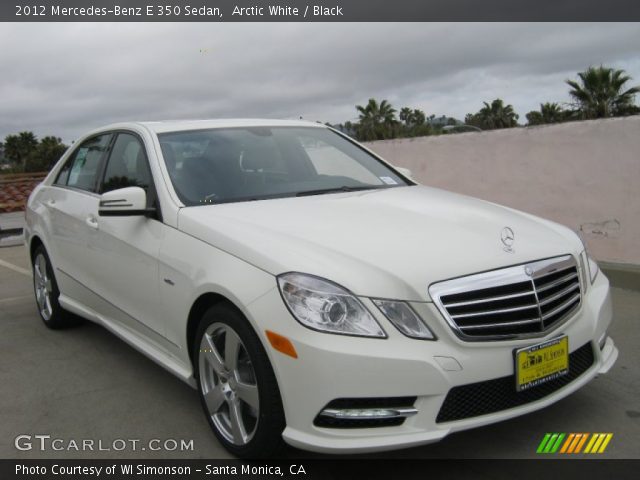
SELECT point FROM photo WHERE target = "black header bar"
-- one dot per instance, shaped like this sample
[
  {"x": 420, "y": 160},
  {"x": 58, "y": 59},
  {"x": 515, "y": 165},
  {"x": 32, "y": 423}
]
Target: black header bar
[
  {"x": 320, "y": 11},
  {"x": 335, "y": 468}
]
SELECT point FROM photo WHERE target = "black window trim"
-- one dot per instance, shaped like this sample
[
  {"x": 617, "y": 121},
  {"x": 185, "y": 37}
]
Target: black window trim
[
  {"x": 105, "y": 161},
  {"x": 153, "y": 191}
]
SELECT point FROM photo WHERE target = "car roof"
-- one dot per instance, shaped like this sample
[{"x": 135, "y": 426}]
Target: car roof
[{"x": 185, "y": 125}]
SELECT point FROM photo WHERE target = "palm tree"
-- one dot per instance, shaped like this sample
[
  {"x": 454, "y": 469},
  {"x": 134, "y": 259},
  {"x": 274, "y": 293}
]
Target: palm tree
[
  {"x": 388, "y": 116},
  {"x": 406, "y": 115},
  {"x": 551, "y": 112},
  {"x": 600, "y": 92},
  {"x": 49, "y": 150},
  {"x": 418, "y": 117},
  {"x": 377, "y": 121},
  {"x": 494, "y": 115},
  {"x": 548, "y": 113},
  {"x": 414, "y": 123},
  {"x": 367, "y": 126},
  {"x": 415, "y": 117},
  {"x": 18, "y": 148}
]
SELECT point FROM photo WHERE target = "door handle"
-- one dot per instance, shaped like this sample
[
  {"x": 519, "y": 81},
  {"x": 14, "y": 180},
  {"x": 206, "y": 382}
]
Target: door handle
[
  {"x": 92, "y": 222},
  {"x": 51, "y": 202}
]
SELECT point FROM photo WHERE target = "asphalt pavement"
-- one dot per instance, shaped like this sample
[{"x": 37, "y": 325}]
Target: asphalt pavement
[{"x": 86, "y": 384}]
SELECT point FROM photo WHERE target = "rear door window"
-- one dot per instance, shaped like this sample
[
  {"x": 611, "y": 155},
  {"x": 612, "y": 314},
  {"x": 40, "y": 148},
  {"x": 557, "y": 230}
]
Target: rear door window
[{"x": 82, "y": 169}]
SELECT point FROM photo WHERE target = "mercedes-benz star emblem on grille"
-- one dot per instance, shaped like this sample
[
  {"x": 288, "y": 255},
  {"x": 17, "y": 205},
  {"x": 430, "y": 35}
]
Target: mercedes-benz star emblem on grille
[
  {"x": 508, "y": 237},
  {"x": 528, "y": 270}
]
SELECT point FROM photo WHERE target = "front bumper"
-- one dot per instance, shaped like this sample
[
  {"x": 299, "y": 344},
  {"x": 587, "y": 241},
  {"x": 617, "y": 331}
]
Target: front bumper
[{"x": 332, "y": 367}]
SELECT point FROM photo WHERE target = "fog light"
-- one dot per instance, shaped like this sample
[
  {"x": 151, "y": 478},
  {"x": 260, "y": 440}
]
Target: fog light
[{"x": 368, "y": 413}]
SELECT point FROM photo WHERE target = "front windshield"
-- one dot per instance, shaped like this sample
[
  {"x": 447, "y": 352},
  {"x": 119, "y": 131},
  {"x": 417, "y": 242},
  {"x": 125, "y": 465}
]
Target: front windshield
[{"x": 255, "y": 163}]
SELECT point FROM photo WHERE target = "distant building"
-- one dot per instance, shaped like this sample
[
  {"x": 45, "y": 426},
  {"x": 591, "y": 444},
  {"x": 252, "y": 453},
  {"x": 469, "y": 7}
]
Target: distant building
[{"x": 443, "y": 121}]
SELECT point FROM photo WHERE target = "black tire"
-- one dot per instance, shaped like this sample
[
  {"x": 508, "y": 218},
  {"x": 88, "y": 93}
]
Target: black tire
[
  {"x": 266, "y": 440},
  {"x": 52, "y": 315}
]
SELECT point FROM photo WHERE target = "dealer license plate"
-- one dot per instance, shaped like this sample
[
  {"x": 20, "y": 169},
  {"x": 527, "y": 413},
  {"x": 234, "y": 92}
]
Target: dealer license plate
[{"x": 541, "y": 363}]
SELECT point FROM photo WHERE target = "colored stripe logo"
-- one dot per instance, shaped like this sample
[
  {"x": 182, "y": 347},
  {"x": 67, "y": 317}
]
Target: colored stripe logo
[{"x": 574, "y": 443}]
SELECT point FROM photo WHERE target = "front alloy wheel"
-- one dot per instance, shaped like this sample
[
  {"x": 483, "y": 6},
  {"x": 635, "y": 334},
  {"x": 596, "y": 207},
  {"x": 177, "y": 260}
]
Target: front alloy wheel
[
  {"x": 238, "y": 389},
  {"x": 228, "y": 382}
]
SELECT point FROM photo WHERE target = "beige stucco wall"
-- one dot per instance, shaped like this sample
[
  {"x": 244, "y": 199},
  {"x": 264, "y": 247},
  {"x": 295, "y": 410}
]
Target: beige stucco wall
[{"x": 585, "y": 175}]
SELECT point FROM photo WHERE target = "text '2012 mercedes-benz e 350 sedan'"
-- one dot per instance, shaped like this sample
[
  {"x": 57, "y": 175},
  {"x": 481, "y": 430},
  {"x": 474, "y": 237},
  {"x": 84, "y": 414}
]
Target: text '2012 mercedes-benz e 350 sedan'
[{"x": 313, "y": 293}]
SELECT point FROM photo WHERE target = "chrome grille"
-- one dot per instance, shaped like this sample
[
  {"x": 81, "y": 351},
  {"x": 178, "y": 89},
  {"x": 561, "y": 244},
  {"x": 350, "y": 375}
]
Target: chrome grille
[{"x": 521, "y": 301}]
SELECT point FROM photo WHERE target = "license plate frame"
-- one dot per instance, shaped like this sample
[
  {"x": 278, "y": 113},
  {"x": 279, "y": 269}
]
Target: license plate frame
[{"x": 541, "y": 363}]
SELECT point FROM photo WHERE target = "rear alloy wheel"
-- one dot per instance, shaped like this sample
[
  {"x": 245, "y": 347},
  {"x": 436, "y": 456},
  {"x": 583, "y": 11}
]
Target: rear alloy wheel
[
  {"x": 237, "y": 385},
  {"x": 43, "y": 287},
  {"x": 46, "y": 291}
]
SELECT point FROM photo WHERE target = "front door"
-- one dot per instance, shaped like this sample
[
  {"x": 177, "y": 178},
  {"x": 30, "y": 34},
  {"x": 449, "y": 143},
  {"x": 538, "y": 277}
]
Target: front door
[{"x": 125, "y": 250}]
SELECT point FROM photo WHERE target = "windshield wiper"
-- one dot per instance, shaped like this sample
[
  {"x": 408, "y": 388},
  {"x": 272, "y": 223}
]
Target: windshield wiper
[{"x": 343, "y": 188}]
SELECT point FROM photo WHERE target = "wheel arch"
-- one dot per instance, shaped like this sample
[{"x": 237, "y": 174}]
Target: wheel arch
[
  {"x": 34, "y": 243},
  {"x": 199, "y": 307}
]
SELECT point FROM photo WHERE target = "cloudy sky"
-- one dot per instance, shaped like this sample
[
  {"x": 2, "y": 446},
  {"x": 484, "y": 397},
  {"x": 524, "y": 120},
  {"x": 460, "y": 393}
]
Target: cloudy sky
[{"x": 63, "y": 79}]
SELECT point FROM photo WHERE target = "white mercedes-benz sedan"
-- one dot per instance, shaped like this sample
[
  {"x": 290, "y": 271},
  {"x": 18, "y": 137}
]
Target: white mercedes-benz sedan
[{"x": 312, "y": 292}]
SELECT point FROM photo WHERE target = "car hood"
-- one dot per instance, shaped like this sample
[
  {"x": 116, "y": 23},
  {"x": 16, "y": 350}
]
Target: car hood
[{"x": 388, "y": 243}]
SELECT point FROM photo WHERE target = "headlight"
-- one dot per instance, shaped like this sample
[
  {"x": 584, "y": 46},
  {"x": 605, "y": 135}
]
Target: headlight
[
  {"x": 322, "y": 305},
  {"x": 592, "y": 265},
  {"x": 404, "y": 319}
]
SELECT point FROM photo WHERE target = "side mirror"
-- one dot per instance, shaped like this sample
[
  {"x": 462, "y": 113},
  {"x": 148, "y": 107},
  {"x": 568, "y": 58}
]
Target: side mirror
[
  {"x": 124, "y": 202},
  {"x": 405, "y": 171}
]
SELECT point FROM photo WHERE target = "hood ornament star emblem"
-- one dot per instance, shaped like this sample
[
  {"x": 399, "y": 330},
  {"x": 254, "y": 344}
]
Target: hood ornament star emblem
[{"x": 508, "y": 238}]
